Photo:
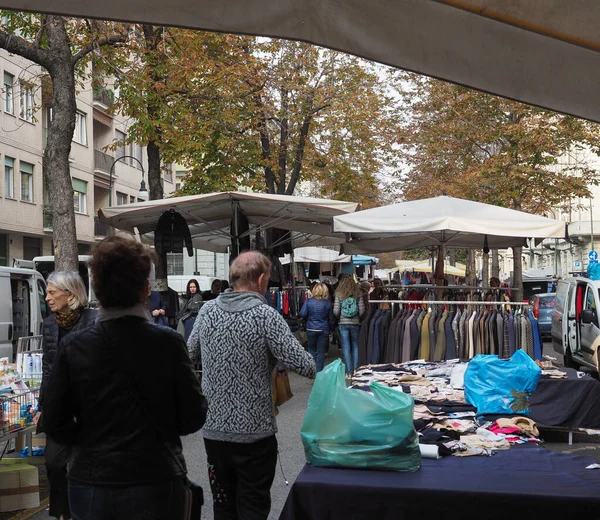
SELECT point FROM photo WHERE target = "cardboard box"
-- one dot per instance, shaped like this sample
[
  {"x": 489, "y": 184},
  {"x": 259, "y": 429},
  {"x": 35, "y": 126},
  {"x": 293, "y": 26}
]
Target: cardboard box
[{"x": 19, "y": 487}]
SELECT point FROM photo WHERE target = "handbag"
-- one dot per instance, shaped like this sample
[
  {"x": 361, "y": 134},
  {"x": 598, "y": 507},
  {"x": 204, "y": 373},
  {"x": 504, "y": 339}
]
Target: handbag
[
  {"x": 282, "y": 392},
  {"x": 194, "y": 494}
]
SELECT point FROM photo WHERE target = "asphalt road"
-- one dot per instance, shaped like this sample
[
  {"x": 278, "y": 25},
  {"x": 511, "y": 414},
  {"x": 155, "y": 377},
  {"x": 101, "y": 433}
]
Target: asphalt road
[{"x": 292, "y": 454}]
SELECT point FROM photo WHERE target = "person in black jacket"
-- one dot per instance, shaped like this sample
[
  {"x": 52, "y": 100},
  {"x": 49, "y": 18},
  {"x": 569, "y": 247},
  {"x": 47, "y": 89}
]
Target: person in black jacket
[
  {"x": 122, "y": 393},
  {"x": 67, "y": 298}
]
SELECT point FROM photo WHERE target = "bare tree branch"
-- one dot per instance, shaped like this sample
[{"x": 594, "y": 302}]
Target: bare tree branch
[
  {"x": 107, "y": 40},
  {"x": 42, "y": 30},
  {"x": 17, "y": 45}
]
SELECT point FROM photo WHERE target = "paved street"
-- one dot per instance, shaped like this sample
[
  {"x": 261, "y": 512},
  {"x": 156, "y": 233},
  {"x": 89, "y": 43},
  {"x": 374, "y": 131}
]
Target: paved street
[{"x": 292, "y": 454}]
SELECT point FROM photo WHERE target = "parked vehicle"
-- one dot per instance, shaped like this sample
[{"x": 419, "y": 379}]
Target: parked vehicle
[
  {"x": 533, "y": 286},
  {"x": 575, "y": 328},
  {"x": 542, "y": 310},
  {"x": 22, "y": 307}
]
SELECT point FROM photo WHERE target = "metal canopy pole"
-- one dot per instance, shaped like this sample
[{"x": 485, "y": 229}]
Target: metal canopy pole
[{"x": 293, "y": 267}]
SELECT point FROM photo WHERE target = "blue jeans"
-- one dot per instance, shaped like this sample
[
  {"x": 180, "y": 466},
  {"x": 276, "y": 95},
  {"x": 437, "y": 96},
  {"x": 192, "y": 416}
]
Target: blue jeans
[
  {"x": 162, "y": 501},
  {"x": 318, "y": 341},
  {"x": 349, "y": 336}
]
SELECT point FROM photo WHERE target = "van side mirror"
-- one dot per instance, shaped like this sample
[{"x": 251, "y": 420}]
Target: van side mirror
[{"x": 587, "y": 316}]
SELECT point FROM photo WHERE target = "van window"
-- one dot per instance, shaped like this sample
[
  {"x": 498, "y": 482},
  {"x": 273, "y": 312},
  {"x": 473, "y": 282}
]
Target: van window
[
  {"x": 21, "y": 307},
  {"x": 42, "y": 297},
  {"x": 590, "y": 304},
  {"x": 561, "y": 296}
]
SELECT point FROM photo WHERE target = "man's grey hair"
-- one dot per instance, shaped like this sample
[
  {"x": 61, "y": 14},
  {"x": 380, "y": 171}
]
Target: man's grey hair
[
  {"x": 246, "y": 269},
  {"x": 70, "y": 282}
]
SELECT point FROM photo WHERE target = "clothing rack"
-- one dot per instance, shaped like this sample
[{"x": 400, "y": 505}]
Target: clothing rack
[
  {"x": 446, "y": 287},
  {"x": 448, "y": 302}
]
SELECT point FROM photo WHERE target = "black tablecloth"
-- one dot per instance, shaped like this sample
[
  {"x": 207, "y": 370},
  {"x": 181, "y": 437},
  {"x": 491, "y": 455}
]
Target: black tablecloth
[
  {"x": 568, "y": 403},
  {"x": 523, "y": 482}
]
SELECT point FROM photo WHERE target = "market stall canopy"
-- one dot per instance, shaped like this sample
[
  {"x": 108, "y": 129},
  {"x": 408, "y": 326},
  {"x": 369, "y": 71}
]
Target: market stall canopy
[
  {"x": 425, "y": 267},
  {"x": 209, "y": 217},
  {"x": 316, "y": 255},
  {"x": 542, "y": 52},
  {"x": 446, "y": 221}
]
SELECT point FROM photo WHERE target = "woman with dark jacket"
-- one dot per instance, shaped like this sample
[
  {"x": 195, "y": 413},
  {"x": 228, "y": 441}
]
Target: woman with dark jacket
[
  {"x": 156, "y": 308},
  {"x": 189, "y": 310},
  {"x": 319, "y": 315},
  {"x": 121, "y": 394},
  {"x": 67, "y": 298}
]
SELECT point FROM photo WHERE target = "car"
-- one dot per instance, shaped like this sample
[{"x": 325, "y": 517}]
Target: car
[{"x": 543, "y": 304}]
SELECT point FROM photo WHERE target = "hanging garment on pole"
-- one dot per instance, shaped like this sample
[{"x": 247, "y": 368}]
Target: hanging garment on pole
[
  {"x": 171, "y": 232},
  {"x": 440, "y": 346},
  {"x": 424, "y": 348},
  {"x": 450, "y": 339}
]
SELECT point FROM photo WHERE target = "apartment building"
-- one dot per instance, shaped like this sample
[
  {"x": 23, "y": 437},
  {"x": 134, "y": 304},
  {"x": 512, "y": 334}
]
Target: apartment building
[{"x": 25, "y": 216}]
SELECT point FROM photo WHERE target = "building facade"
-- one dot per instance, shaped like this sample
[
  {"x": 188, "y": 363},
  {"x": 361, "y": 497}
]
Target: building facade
[{"x": 25, "y": 213}]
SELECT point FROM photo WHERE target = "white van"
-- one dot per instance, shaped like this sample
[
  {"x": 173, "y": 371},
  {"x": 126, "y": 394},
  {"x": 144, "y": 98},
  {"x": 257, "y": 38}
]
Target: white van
[
  {"x": 575, "y": 324},
  {"x": 22, "y": 307},
  {"x": 45, "y": 265}
]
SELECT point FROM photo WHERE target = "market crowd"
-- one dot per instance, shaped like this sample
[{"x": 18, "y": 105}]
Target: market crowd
[{"x": 119, "y": 388}]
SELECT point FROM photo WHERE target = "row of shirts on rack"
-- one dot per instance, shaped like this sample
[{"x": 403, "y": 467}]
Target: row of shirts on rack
[
  {"x": 439, "y": 334},
  {"x": 281, "y": 299}
]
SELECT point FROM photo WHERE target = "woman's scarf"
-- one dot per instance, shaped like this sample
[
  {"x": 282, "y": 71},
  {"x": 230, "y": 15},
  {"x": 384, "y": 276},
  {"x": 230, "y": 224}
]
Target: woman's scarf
[{"x": 67, "y": 320}]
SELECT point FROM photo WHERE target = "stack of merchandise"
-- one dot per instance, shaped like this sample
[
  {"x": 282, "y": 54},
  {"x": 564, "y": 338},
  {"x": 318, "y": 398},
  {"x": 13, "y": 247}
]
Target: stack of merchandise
[
  {"x": 18, "y": 402},
  {"x": 445, "y": 422}
]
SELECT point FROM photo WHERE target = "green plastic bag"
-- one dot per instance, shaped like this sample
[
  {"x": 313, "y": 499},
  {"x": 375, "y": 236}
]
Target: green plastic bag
[{"x": 350, "y": 428}]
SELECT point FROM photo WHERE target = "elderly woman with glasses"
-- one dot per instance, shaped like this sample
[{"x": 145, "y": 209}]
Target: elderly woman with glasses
[{"x": 67, "y": 298}]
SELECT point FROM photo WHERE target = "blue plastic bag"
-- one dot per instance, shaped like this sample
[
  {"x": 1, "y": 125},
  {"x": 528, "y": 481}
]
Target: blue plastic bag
[
  {"x": 498, "y": 386},
  {"x": 352, "y": 428},
  {"x": 594, "y": 271}
]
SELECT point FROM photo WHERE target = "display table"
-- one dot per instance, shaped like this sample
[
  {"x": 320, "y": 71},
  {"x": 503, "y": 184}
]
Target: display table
[
  {"x": 523, "y": 482},
  {"x": 571, "y": 403}
]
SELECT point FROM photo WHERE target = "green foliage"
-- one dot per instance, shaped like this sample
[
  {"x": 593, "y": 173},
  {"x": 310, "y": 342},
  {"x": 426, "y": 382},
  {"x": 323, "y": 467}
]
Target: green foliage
[
  {"x": 476, "y": 146},
  {"x": 261, "y": 113}
]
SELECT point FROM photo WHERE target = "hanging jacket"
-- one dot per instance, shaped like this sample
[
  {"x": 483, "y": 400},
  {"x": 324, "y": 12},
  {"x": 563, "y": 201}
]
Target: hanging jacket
[{"x": 171, "y": 232}]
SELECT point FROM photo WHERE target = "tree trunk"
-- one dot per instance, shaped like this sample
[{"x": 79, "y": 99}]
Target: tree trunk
[
  {"x": 452, "y": 257},
  {"x": 156, "y": 193},
  {"x": 152, "y": 38},
  {"x": 495, "y": 263},
  {"x": 517, "y": 278},
  {"x": 154, "y": 172},
  {"x": 57, "y": 170},
  {"x": 485, "y": 271},
  {"x": 470, "y": 272}
]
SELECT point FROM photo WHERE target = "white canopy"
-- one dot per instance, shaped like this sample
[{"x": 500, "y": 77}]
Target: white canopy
[
  {"x": 317, "y": 255},
  {"x": 209, "y": 217},
  {"x": 444, "y": 221},
  {"x": 542, "y": 52},
  {"x": 425, "y": 267}
]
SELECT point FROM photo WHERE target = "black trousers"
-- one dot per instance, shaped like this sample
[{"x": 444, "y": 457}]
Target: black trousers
[
  {"x": 57, "y": 459},
  {"x": 240, "y": 477}
]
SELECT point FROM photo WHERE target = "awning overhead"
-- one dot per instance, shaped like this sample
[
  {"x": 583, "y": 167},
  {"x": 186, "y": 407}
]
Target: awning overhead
[
  {"x": 209, "y": 217},
  {"x": 447, "y": 221},
  {"x": 316, "y": 255},
  {"x": 542, "y": 52},
  {"x": 425, "y": 267}
]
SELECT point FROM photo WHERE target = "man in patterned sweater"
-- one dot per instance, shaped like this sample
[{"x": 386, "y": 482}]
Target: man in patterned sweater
[{"x": 239, "y": 338}]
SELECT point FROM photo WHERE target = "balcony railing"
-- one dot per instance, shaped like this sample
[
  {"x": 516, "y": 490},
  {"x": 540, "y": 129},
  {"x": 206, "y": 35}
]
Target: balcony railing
[
  {"x": 103, "y": 161},
  {"x": 105, "y": 96}
]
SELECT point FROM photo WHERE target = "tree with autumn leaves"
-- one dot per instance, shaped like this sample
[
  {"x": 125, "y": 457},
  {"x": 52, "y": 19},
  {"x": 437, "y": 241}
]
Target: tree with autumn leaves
[
  {"x": 468, "y": 144},
  {"x": 63, "y": 48},
  {"x": 262, "y": 113}
]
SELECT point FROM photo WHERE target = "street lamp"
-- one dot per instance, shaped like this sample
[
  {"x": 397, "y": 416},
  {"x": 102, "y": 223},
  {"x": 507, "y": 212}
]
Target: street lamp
[{"x": 143, "y": 190}]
